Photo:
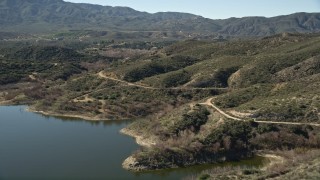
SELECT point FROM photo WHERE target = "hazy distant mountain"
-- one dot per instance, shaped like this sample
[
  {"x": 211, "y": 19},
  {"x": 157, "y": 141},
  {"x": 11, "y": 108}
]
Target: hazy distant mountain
[
  {"x": 261, "y": 26},
  {"x": 53, "y": 15}
]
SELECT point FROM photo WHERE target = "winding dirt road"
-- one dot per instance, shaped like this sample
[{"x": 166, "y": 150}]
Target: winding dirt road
[
  {"x": 209, "y": 103},
  {"x": 102, "y": 75}
]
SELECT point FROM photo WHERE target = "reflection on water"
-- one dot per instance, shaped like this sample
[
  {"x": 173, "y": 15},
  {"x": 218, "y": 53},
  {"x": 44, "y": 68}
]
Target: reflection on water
[{"x": 34, "y": 146}]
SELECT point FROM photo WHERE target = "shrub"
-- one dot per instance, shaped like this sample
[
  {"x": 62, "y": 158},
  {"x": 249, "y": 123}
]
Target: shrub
[
  {"x": 193, "y": 120},
  {"x": 175, "y": 79},
  {"x": 218, "y": 79},
  {"x": 237, "y": 133},
  {"x": 204, "y": 176},
  {"x": 158, "y": 67}
]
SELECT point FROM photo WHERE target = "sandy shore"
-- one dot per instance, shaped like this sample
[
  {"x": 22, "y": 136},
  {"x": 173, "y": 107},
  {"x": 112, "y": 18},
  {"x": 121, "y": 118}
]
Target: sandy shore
[
  {"x": 83, "y": 117},
  {"x": 131, "y": 163},
  {"x": 6, "y": 103},
  {"x": 142, "y": 141},
  {"x": 55, "y": 114}
]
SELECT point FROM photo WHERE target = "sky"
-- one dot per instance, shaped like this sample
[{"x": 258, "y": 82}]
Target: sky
[{"x": 216, "y": 9}]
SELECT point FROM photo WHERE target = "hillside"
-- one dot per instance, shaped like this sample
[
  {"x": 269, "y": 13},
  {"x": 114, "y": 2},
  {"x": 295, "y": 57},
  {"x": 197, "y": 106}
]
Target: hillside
[
  {"x": 271, "y": 100},
  {"x": 274, "y": 78},
  {"x": 192, "y": 102},
  {"x": 34, "y": 16}
]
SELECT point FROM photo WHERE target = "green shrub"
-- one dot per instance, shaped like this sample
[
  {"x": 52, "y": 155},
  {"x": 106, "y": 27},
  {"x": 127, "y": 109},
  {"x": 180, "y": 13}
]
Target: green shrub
[
  {"x": 85, "y": 83},
  {"x": 218, "y": 79},
  {"x": 194, "y": 119},
  {"x": 239, "y": 134},
  {"x": 204, "y": 177},
  {"x": 175, "y": 79},
  {"x": 158, "y": 67},
  {"x": 45, "y": 53}
]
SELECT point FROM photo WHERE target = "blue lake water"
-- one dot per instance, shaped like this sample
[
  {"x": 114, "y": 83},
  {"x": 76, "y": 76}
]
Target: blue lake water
[{"x": 33, "y": 146}]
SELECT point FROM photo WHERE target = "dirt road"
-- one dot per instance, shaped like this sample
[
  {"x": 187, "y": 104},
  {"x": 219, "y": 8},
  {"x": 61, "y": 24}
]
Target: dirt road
[
  {"x": 209, "y": 103},
  {"x": 102, "y": 75}
]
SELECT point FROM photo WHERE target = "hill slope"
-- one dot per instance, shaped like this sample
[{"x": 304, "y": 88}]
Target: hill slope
[{"x": 197, "y": 101}]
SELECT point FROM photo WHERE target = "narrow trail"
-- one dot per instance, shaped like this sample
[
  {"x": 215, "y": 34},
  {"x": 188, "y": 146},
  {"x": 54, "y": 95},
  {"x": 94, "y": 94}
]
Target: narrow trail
[
  {"x": 209, "y": 103},
  {"x": 102, "y": 75},
  {"x": 86, "y": 99}
]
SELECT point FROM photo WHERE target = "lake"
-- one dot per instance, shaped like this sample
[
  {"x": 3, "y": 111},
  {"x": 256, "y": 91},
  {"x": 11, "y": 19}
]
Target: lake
[{"x": 33, "y": 146}]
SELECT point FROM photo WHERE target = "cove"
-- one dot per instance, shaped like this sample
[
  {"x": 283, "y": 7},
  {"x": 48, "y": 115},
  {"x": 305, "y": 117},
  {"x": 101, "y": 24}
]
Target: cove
[{"x": 33, "y": 146}]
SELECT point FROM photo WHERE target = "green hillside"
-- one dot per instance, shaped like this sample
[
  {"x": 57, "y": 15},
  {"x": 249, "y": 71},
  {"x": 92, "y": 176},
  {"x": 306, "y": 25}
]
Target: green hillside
[{"x": 192, "y": 102}]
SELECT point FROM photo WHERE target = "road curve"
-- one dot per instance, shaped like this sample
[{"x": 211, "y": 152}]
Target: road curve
[{"x": 209, "y": 103}]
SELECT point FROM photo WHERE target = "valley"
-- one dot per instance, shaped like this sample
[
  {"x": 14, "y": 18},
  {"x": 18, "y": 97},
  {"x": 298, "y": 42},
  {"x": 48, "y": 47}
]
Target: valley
[{"x": 194, "y": 92}]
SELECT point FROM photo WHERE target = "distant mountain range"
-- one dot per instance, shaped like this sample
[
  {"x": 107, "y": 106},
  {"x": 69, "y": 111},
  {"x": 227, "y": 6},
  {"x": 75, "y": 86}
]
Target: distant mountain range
[{"x": 56, "y": 15}]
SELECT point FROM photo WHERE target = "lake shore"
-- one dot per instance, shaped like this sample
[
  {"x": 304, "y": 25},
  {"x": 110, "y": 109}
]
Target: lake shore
[
  {"x": 131, "y": 163},
  {"x": 6, "y": 103},
  {"x": 55, "y": 114},
  {"x": 140, "y": 140},
  {"x": 30, "y": 108}
]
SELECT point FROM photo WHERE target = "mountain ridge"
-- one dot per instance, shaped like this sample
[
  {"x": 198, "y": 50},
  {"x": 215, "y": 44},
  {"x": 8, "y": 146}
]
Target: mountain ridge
[{"x": 58, "y": 15}]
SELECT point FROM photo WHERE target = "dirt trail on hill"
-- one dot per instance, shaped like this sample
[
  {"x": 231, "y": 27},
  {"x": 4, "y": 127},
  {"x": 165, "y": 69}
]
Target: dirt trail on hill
[
  {"x": 102, "y": 75},
  {"x": 209, "y": 103},
  {"x": 86, "y": 99}
]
